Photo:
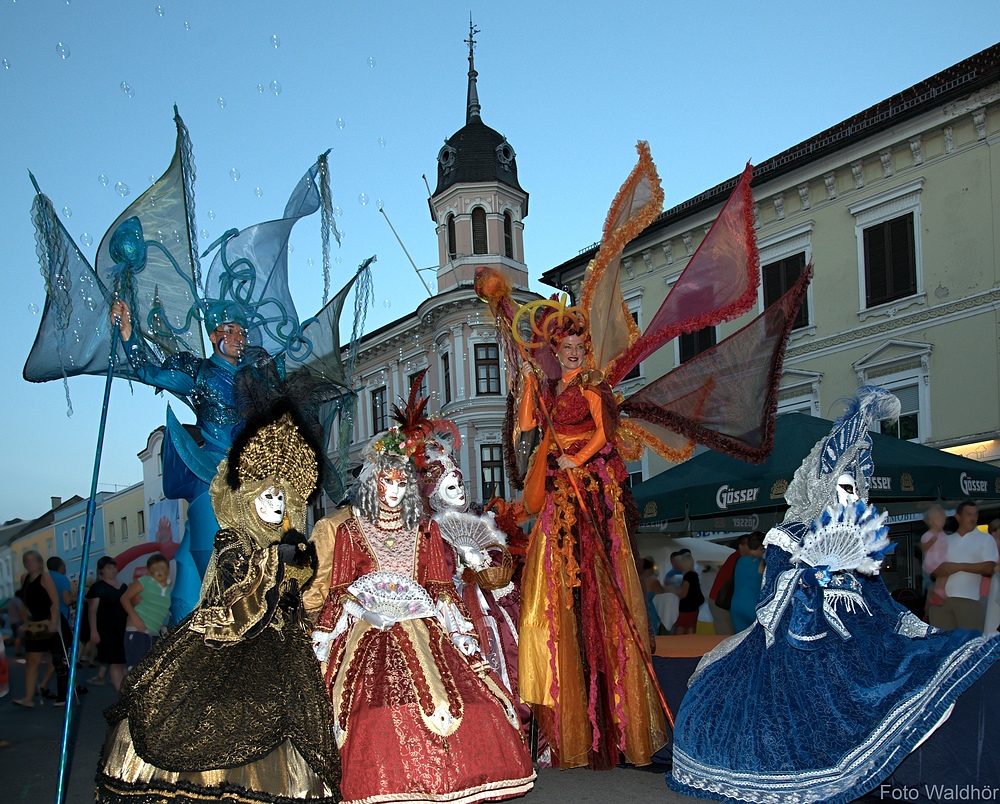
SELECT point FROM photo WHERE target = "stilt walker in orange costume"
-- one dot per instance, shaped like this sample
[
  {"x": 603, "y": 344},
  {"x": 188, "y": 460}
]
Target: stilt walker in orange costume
[{"x": 584, "y": 643}]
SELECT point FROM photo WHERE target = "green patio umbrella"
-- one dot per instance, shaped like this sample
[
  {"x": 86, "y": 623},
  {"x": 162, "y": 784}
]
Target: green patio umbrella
[{"x": 712, "y": 486}]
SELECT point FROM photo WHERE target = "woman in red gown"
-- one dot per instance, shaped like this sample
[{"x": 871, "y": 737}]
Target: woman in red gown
[{"x": 417, "y": 715}]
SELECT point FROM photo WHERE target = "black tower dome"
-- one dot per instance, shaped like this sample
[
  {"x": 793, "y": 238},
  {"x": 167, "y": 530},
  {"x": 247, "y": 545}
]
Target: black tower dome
[{"x": 476, "y": 152}]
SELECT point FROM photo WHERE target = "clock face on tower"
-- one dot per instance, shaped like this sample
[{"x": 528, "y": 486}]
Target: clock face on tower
[{"x": 446, "y": 157}]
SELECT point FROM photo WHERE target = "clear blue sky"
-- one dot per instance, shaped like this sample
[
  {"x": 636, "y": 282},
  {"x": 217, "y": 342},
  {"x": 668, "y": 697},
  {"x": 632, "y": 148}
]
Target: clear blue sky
[{"x": 572, "y": 86}]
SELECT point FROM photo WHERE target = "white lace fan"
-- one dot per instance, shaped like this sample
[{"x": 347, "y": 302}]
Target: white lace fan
[
  {"x": 392, "y": 595},
  {"x": 469, "y": 532},
  {"x": 847, "y": 538}
]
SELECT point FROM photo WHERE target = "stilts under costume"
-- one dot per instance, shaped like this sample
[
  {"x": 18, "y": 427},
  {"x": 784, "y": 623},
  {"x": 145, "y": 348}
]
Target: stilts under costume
[
  {"x": 417, "y": 714},
  {"x": 230, "y": 706},
  {"x": 584, "y": 645},
  {"x": 834, "y": 683}
]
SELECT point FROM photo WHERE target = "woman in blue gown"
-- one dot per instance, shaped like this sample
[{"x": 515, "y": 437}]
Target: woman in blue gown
[{"x": 839, "y": 683}]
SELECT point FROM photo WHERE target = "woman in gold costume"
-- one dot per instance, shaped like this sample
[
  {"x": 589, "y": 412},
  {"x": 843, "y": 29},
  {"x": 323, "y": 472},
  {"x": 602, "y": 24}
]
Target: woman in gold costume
[
  {"x": 580, "y": 667},
  {"x": 231, "y": 706}
]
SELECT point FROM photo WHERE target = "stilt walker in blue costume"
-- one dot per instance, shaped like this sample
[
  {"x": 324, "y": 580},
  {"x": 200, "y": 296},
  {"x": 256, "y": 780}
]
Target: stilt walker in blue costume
[
  {"x": 148, "y": 284},
  {"x": 834, "y": 683}
]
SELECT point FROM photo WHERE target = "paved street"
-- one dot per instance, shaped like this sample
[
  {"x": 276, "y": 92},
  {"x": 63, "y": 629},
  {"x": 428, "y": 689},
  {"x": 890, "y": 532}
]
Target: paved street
[{"x": 28, "y": 769}]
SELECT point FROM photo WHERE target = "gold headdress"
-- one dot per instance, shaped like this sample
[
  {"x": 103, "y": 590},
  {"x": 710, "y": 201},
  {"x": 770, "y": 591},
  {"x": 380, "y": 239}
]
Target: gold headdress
[{"x": 276, "y": 450}]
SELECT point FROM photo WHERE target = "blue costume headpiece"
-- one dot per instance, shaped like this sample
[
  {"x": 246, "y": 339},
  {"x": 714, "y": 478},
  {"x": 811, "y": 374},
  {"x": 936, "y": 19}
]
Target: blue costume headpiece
[
  {"x": 846, "y": 450},
  {"x": 225, "y": 311}
]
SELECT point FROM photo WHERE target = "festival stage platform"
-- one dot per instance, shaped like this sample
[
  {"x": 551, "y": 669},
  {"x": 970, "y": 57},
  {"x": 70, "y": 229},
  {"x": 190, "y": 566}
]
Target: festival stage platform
[{"x": 961, "y": 755}]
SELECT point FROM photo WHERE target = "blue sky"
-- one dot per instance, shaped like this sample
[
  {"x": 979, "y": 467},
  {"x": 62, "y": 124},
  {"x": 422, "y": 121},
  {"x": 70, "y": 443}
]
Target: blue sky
[{"x": 571, "y": 85}]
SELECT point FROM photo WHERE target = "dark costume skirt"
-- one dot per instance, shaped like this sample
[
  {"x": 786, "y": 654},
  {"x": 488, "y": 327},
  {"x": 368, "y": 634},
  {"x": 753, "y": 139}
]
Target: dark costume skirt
[{"x": 245, "y": 722}]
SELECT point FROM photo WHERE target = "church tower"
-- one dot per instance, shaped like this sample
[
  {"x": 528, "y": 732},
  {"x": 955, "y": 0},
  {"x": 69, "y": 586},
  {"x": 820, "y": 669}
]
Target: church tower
[{"x": 478, "y": 205}]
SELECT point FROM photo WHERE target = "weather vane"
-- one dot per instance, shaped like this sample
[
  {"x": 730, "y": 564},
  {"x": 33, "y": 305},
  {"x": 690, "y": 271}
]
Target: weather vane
[{"x": 471, "y": 41}]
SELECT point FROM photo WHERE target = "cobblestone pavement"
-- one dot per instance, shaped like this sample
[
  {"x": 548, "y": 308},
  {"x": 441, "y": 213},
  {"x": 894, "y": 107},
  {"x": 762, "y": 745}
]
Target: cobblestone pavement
[{"x": 29, "y": 767}]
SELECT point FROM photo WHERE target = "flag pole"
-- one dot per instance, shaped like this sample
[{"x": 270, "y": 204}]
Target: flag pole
[{"x": 65, "y": 751}]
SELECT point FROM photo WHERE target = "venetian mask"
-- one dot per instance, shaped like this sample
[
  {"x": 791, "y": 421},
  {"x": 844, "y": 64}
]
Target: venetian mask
[
  {"x": 452, "y": 490},
  {"x": 847, "y": 490},
  {"x": 392, "y": 487},
  {"x": 270, "y": 505}
]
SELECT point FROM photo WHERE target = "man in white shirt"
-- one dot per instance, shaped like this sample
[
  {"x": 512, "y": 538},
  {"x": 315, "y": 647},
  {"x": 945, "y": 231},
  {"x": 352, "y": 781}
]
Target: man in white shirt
[{"x": 972, "y": 555}]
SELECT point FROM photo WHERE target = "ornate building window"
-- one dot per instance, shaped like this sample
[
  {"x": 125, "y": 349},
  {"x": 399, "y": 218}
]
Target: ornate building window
[
  {"x": 508, "y": 235},
  {"x": 491, "y": 461},
  {"x": 777, "y": 279},
  {"x": 902, "y": 367},
  {"x": 380, "y": 415},
  {"x": 452, "y": 243},
  {"x": 887, "y": 227},
  {"x": 487, "y": 369},
  {"x": 890, "y": 261},
  {"x": 479, "y": 242},
  {"x": 446, "y": 378}
]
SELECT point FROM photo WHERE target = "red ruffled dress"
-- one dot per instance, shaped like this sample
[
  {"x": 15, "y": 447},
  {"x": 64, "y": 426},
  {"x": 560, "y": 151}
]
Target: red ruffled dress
[{"x": 416, "y": 720}]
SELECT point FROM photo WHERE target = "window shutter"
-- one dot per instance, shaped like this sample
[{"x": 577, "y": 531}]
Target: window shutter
[{"x": 479, "y": 231}]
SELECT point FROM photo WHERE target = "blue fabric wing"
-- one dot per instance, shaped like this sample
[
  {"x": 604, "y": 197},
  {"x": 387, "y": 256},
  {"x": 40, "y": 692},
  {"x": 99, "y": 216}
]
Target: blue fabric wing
[{"x": 251, "y": 268}]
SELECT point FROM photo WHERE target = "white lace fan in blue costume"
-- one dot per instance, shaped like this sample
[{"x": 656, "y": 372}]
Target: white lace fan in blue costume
[{"x": 834, "y": 683}]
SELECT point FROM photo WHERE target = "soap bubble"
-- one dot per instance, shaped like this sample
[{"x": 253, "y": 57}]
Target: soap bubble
[
  {"x": 275, "y": 87},
  {"x": 222, "y": 102},
  {"x": 86, "y": 239},
  {"x": 159, "y": 11},
  {"x": 363, "y": 199},
  {"x": 152, "y": 179},
  {"x": 33, "y": 308},
  {"x": 258, "y": 192},
  {"x": 379, "y": 204},
  {"x": 103, "y": 180},
  {"x": 211, "y": 213},
  {"x": 122, "y": 189},
  {"x": 337, "y": 211},
  {"x": 381, "y": 141},
  {"x": 275, "y": 42},
  {"x": 339, "y": 260},
  {"x": 129, "y": 92},
  {"x": 204, "y": 234},
  {"x": 260, "y": 88},
  {"x": 340, "y": 123},
  {"x": 6, "y": 64},
  {"x": 311, "y": 261},
  {"x": 62, "y": 50},
  {"x": 234, "y": 174},
  {"x": 187, "y": 26},
  {"x": 371, "y": 61},
  {"x": 387, "y": 304},
  {"x": 291, "y": 248},
  {"x": 67, "y": 212}
]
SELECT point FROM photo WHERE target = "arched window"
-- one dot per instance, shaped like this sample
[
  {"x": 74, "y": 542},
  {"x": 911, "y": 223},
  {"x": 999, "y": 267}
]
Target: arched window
[
  {"x": 452, "y": 249},
  {"x": 508, "y": 235},
  {"x": 479, "y": 231}
]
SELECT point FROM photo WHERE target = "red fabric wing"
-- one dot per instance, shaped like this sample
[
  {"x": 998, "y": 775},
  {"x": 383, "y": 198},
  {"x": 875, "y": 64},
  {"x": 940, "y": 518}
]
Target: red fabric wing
[
  {"x": 735, "y": 384},
  {"x": 718, "y": 284}
]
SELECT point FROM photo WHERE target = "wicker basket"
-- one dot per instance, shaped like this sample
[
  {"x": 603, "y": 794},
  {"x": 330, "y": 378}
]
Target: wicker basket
[{"x": 497, "y": 576}]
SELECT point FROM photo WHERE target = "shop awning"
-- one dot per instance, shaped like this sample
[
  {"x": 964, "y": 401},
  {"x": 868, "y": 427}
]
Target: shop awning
[{"x": 741, "y": 496}]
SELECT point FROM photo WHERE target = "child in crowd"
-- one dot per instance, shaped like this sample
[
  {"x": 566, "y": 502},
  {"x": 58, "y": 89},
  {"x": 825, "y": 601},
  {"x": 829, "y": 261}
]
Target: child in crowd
[
  {"x": 934, "y": 546},
  {"x": 147, "y": 604}
]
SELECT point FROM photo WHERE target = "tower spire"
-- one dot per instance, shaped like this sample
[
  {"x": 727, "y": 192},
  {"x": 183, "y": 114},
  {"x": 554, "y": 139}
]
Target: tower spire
[{"x": 472, "y": 103}]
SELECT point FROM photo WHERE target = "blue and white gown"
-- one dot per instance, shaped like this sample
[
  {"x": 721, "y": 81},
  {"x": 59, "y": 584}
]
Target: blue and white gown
[{"x": 825, "y": 694}]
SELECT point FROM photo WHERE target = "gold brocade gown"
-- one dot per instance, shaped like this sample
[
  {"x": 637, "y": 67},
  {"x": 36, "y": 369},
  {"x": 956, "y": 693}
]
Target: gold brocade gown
[{"x": 230, "y": 705}]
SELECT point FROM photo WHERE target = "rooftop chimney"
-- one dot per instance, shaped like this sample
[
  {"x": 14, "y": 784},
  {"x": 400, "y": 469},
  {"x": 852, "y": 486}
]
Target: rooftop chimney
[{"x": 56, "y": 502}]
